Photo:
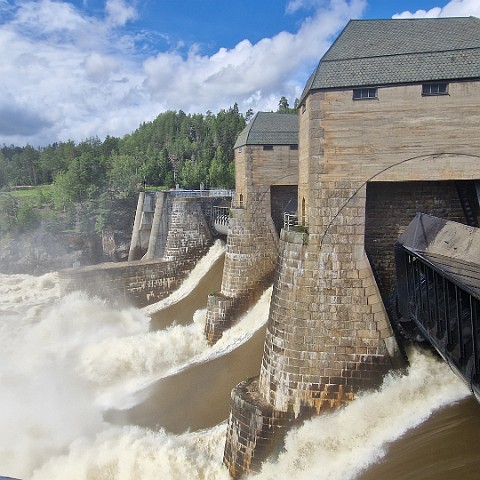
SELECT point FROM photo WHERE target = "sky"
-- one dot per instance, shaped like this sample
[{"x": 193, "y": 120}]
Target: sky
[{"x": 72, "y": 70}]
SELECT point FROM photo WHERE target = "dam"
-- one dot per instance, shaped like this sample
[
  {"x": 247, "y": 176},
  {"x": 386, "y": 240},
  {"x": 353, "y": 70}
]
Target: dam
[{"x": 386, "y": 127}]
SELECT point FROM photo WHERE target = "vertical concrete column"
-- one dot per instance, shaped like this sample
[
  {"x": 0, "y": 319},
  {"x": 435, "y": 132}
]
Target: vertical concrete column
[
  {"x": 158, "y": 233},
  {"x": 135, "y": 246}
]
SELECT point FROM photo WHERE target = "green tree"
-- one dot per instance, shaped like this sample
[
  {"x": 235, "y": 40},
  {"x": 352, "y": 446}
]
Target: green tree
[
  {"x": 125, "y": 174},
  {"x": 284, "y": 107}
]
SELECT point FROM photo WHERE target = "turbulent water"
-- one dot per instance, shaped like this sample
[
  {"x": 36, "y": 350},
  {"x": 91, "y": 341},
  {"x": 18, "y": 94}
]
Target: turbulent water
[{"x": 92, "y": 392}]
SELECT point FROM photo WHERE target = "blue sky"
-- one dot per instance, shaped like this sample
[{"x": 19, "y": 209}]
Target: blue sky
[{"x": 76, "y": 69}]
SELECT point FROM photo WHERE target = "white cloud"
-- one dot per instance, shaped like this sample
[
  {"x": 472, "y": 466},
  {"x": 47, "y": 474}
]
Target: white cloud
[
  {"x": 68, "y": 75},
  {"x": 248, "y": 73},
  {"x": 119, "y": 13},
  {"x": 454, "y": 8}
]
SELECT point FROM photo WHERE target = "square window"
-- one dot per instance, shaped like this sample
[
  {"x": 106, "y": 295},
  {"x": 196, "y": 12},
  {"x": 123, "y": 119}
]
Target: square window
[
  {"x": 364, "y": 93},
  {"x": 268, "y": 147},
  {"x": 435, "y": 88}
]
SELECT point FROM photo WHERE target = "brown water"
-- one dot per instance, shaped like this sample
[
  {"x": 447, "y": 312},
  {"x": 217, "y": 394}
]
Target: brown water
[
  {"x": 444, "y": 447},
  {"x": 93, "y": 393},
  {"x": 198, "y": 397}
]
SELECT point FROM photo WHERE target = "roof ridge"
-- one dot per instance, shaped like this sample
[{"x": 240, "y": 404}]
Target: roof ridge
[{"x": 400, "y": 54}]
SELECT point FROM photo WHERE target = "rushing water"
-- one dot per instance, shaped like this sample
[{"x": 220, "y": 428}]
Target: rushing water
[{"x": 92, "y": 392}]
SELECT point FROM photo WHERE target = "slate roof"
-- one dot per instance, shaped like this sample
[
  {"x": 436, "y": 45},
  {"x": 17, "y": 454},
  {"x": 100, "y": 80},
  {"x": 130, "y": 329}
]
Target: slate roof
[
  {"x": 399, "y": 51},
  {"x": 270, "y": 129}
]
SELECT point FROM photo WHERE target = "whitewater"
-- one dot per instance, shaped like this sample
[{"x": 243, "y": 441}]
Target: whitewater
[{"x": 68, "y": 360}]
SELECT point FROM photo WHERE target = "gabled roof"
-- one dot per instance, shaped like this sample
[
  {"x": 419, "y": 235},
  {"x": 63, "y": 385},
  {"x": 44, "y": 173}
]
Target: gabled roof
[
  {"x": 386, "y": 52},
  {"x": 270, "y": 129}
]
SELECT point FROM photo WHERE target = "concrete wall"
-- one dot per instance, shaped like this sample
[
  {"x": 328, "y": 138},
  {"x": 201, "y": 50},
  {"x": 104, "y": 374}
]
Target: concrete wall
[{"x": 142, "y": 225}]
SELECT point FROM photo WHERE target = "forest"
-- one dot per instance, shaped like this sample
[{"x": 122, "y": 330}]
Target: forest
[{"x": 174, "y": 149}]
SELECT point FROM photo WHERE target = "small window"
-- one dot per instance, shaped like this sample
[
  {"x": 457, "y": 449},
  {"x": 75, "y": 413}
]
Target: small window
[
  {"x": 435, "y": 88},
  {"x": 239, "y": 149},
  {"x": 268, "y": 147},
  {"x": 364, "y": 93},
  {"x": 293, "y": 147}
]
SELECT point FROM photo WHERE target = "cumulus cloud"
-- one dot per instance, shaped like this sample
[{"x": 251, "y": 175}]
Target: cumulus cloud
[
  {"x": 454, "y": 8},
  {"x": 249, "y": 72},
  {"x": 71, "y": 76}
]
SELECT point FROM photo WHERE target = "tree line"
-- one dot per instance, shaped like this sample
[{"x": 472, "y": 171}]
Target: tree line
[{"x": 174, "y": 149}]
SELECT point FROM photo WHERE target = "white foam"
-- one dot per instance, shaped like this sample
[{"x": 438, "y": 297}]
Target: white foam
[
  {"x": 121, "y": 367},
  {"x": 134, "y": 453},
  {"x": 339, "y": 446},
  {"x": 70, "y": 359},
  {"x": 192, "y": 280},
  {"x": 64, "y": 361}
]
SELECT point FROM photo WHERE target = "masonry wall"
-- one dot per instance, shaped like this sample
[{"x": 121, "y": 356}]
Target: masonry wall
[
  {"x": 328, "y": 334},
  {"x": 188, "y": 233},
  {"x": 257, "y": 167},
  {"x": 134, "y": 283},
  {"x": 390, "y": 207},
  {"x": 250, "y": 257},
  {"x": 147, "y": 281},
  {"x": 252, "y": 239}
]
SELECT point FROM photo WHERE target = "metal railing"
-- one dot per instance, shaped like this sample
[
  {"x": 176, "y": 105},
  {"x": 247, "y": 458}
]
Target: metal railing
[
  {"x": 445, "y": 311},
  {"x": 290, "y": 220},
  {"x": 202, "y": 193}
]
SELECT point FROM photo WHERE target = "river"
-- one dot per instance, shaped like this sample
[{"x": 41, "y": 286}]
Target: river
[{"x": 95, "y": 392}]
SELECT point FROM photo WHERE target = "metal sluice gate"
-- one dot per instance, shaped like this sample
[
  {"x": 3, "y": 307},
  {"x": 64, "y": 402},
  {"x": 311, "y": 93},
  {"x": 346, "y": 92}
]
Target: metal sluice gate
[{"x": 438, "y": 291}]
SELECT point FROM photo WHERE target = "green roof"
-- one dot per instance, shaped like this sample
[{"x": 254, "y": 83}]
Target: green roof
[
  {"x": 399, "y": 51},
  {"x": 270, "y": 129}
]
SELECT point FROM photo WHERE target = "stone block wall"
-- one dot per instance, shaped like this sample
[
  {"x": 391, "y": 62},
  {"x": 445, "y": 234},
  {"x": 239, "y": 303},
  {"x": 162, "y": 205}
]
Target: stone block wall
[
  {"x": 255, "y": 430},
  {"x": 220, "y": 311},
  {"x": 249, "y": 263},
  {"x": 328, "y": 333},
  {"x": 137, "y": 283},
  {"x": 390, "y": 207},
  {"x": 147, "y": 281},
  {"x": 188, "y": 232}
]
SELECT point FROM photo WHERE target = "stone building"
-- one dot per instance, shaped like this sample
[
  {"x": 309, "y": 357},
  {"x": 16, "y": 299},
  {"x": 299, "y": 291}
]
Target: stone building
[
  {"x": 388, "y": 126},
  {"x": 266, "y": 178}
]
